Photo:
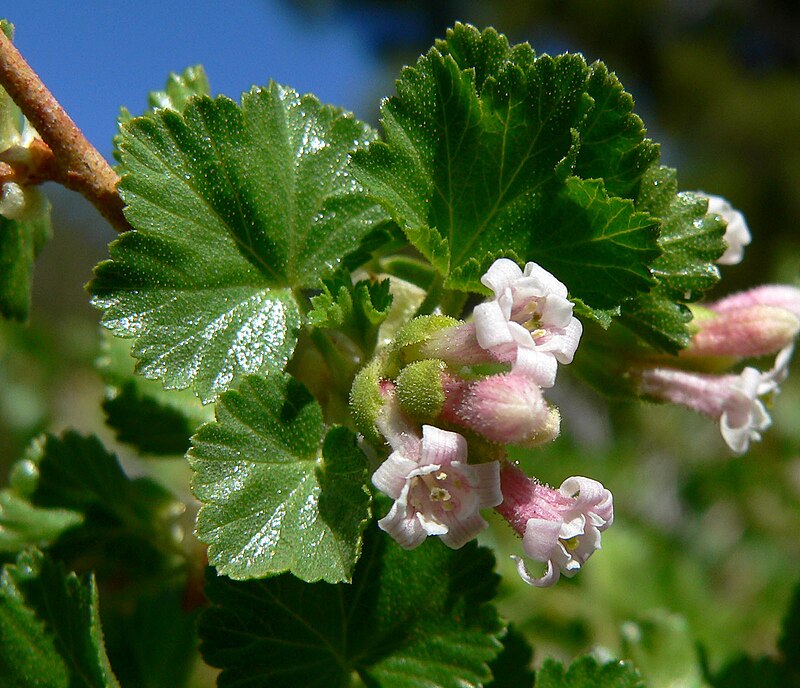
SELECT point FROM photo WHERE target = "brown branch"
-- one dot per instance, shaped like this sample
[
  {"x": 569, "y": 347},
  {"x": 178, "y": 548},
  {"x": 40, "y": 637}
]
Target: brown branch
[{"x": 72, "y": 160}]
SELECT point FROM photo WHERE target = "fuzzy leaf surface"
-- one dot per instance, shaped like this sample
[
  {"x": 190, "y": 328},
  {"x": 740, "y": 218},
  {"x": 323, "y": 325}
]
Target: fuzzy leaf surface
[
  {"x": 50, "y": 631},
  {"x": 357, "y": 310},
  {"x": 386, "y": 626},
  {"x": 233, "y": 207},
  {"x": 278, "y": 493},
  {"x": 481, "y": 142},
  {"x": 512, "y": 667},
  {"x": 690, "y": 241}
]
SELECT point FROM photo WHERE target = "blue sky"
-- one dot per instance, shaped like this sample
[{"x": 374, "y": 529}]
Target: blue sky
[{"x": 96, "y": 56}]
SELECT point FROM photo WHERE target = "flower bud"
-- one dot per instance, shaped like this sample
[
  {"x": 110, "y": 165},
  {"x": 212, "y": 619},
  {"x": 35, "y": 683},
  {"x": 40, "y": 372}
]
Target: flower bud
[
  {"x": 780, "y": 295},
  {"x": 507, "y": 408},
  {"x": 743, "y": 332}
]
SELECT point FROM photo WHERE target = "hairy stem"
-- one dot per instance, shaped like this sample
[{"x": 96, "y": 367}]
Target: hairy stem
[{"x": 75, "y": 163}]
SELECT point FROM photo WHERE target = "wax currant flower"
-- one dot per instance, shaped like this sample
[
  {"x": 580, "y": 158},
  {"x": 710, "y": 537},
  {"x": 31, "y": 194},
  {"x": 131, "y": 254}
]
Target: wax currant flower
[
  {"x": 733, "y": 400},
  {"x": 737, "y": 235},
  {"x": 436, "y": 491},
  {"x": 779, "y": 295},
  {"x": 529, "y": 322},
  {"x": 507, "y": 408},
  {"x": 560, "y": 528},
  {"x": 742, "y": 332}
]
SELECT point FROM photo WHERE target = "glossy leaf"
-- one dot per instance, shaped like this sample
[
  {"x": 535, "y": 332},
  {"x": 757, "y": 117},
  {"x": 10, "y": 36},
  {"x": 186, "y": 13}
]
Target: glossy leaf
[
  {"x": 409, "y": 619},
  {"x": 275, "y": 496},
  {"x": 612, "y": 144},
  {"x": 233, "y": 207},
  {"x": 480, "y": 144},
  {"x": 50, "y": 631}
]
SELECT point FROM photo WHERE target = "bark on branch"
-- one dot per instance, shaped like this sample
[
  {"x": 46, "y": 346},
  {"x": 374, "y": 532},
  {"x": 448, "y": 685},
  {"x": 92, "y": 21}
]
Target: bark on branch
[{"x": 68, "y": 158}]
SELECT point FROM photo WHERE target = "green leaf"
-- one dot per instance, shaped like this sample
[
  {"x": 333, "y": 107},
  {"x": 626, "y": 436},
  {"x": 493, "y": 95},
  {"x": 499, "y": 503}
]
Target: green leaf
[
  {"x": 410, "y": 619},
  {"x": 587, "y": 672},
  {"x": 176, "y": 94},
  {"x": 356, "y": 310},
  {"x": 126, "y": 523},
  {"x": 690, "y": 241},
  {"x": 512, "y": 667},
  {"x": 154, "y": 644},
  {"x": 480, "y": 144},
  {"x": 20, "y": 242},
  {"x": 658, "y": 320},
  {"x": 662, "y": 648},
  {"x": 50, "y": 631},
  {"x": 612, "y": 144},
  {"x": 144, "y": 414},
  {"x": 180, "y": 87},
  {"x": 598, "y": 243},
  {"x": 233, "y": 207},
  {"x": 275, "y": 496}
]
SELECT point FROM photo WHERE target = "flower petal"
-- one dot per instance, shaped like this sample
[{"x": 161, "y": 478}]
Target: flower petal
[
  {"x": 390, "y": 477},
  {"x": 501, "y": 275},
  {"x": 441, "y": 447},
  {"x": 549, "y": 578},
  {"x": 491, "y": 325}
]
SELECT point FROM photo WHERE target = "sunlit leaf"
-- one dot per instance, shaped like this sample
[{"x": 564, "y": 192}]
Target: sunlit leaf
[
  {"x": 278, "y": 494},
  {"x": 233, "y": 207}
]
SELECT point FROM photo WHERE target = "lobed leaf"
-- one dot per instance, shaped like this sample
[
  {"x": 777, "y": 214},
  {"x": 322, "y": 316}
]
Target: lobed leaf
[
  {"x": 233, "y": 207},
  {"x": 481, "y": 141},
  {"x": 409, "y": 619},
  {"x": 512, "y": 667},
  {"x": 276, "y": 497},
  {"x": 690, "y": 241},
  {"x": 357, "y": 310}
]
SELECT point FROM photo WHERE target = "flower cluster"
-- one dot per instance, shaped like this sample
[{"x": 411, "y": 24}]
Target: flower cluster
[
  {"x": 453, "y": 394},
  {"x": 752, "y": 324}
]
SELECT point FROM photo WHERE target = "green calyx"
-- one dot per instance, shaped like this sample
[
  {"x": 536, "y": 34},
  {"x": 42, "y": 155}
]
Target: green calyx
[
  {"x": 366, "y": 401},
  {"x": 419, "y": 389}
]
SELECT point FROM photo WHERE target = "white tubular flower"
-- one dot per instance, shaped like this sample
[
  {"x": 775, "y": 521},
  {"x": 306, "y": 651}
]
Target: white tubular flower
[
  {"x": 560, "y": 528},
  {"x": 733, "y": 400},
  {"x": 529, "y": 322},
  {"x": 436, "y": 491},
  {"x": 737, "y": 234}
]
